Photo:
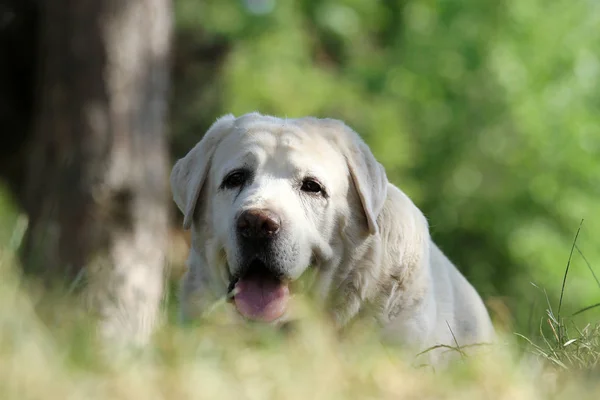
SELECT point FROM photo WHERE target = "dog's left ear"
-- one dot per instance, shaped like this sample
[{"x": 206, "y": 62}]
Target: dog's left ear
[
  {"x": 369, "y": 178},
  {"x": 190, "y": 172}
]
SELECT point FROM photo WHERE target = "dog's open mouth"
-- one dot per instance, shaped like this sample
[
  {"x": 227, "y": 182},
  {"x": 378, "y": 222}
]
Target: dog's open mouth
[{"x": 259, "y": 294}]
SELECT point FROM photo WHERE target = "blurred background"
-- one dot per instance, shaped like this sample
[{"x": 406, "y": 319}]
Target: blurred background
[{"x": 486, "y": 113}]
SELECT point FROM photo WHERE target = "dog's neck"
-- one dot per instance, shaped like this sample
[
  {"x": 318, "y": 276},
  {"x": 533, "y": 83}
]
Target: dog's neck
[{"x": 378, "y": 267}]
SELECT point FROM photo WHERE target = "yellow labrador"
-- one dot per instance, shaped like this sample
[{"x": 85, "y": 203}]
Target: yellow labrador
[{"x": 266, "y": 198}]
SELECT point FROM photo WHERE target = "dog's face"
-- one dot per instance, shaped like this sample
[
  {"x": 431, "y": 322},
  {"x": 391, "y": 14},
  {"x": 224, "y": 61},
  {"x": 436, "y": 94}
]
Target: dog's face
[{"x": 273, "y": 193}]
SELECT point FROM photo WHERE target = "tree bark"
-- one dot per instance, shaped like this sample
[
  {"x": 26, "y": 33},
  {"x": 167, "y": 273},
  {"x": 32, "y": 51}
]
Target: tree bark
[
  {"x": 96, "y": 192},
  {"x": 18, "y": 40}
]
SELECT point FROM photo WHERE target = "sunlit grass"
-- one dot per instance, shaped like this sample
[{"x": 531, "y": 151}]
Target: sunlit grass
[{"x": 48, "y": 351}]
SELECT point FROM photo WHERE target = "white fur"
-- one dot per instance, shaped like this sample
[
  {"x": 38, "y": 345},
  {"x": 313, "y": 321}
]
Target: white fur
[{"x": 367, "y": 240}]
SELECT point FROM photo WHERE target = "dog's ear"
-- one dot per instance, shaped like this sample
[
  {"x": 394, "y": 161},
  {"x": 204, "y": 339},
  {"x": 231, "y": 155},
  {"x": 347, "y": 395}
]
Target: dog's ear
[
  {"x": 190, "y": 172},
  {"x": 369, "y": 178}
]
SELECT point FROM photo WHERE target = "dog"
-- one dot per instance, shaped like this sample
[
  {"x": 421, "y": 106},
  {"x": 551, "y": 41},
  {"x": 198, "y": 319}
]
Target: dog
[{"x": 269, "y": 198}]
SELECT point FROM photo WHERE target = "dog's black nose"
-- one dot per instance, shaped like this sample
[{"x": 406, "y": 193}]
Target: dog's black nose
[{"x": 258, "y": 224}]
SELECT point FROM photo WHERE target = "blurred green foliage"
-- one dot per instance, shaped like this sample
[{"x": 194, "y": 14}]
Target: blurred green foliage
[{"x": 487, "y": 113}]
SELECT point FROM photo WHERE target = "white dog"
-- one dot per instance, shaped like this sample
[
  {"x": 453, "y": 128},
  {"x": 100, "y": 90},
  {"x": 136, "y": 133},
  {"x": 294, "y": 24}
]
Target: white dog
[{"x": 268, "y": 198}]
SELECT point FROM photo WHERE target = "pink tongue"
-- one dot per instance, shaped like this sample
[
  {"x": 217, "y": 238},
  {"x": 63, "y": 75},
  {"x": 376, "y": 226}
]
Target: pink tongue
[{"x": 261, "y": 298}]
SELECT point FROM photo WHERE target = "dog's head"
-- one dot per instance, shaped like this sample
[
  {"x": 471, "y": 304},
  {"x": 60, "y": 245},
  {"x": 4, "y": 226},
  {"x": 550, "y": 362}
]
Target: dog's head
[{"x": 272, "y": 195}]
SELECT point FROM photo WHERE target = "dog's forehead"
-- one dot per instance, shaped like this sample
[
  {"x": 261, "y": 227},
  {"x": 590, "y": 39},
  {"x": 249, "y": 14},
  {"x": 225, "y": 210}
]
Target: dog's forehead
[{"x": 281, "y": 143}]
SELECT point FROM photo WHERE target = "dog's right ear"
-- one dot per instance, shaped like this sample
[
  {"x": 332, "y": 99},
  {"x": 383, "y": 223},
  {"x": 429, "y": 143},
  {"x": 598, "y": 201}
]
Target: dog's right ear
[
  {"x": 190, "y": 172},
  {"x": 369, "y": 178}
]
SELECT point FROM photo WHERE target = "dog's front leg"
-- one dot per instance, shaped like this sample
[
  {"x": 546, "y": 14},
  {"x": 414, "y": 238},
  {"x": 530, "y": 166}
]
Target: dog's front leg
[{"x": 196, "y": 292}]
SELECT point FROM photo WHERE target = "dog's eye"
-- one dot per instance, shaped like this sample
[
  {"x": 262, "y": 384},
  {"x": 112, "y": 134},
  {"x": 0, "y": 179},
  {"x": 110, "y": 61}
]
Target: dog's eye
[
  {"x": 234, "y": 179},
  {"x": 310, "y": 185}
]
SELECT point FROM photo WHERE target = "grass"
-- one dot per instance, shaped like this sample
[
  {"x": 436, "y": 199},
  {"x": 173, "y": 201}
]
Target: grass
[{"x": 53, "y": 356}]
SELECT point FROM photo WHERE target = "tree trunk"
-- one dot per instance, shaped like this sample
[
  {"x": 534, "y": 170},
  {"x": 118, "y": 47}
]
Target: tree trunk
[{"x": 97, "y": 191}]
